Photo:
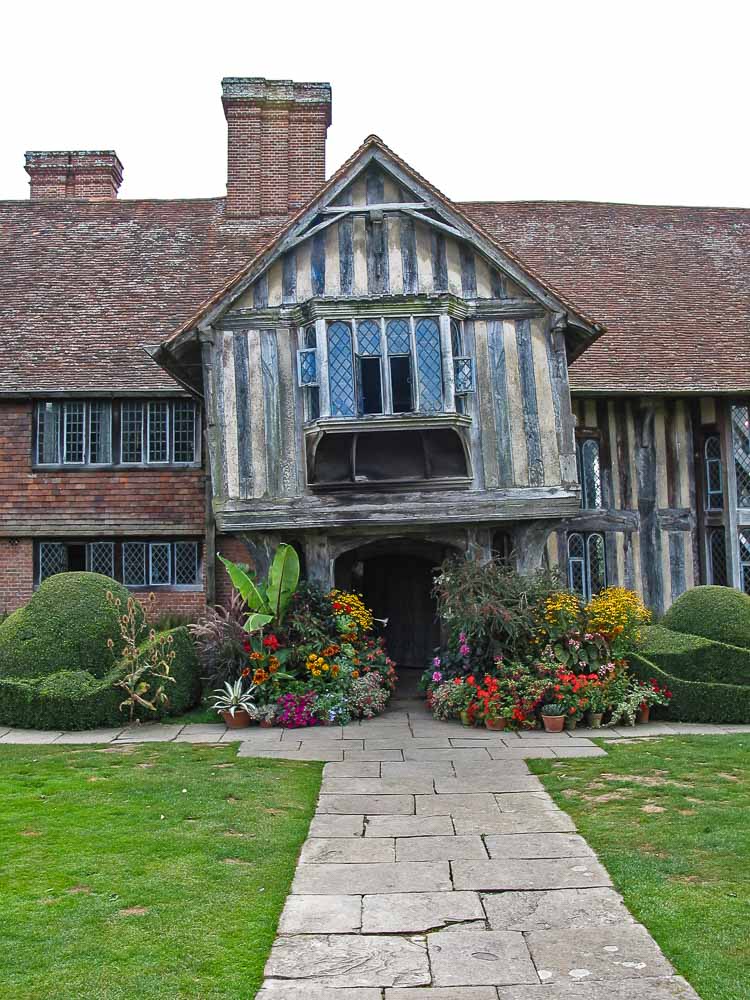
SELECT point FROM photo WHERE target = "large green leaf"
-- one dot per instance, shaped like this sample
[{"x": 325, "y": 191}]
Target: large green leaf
[
  {"x": 256, "y": 621},
  {"x": 245, "y": 584},
  {"x": 283, "y": 577}
]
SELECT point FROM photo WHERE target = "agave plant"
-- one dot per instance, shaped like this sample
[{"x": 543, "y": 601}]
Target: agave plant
[
  {"x": 267, "y": 602},
  {"x": 234, "y": 698}
]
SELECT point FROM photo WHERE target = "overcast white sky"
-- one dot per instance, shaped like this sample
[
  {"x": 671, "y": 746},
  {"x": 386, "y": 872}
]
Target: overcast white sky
[{"x": 614, "y": 101}]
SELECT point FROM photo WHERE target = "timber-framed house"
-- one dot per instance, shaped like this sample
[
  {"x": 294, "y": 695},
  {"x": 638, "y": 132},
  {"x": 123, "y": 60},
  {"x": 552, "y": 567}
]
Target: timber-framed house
[{"x": 366, "y": 369}]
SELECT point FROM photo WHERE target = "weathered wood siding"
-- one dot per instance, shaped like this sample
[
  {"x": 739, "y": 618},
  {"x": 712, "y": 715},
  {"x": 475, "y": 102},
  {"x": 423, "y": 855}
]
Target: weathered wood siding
[{"x": 649, "y": 472}]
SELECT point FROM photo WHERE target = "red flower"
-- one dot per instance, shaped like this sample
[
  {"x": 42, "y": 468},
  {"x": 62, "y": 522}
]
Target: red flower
[{"x": 271, "y": 642}]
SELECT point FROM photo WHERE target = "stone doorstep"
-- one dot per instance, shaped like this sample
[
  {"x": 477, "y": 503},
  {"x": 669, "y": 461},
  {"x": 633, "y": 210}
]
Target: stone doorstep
[
  {"x": 479, "y": 958},
  {"x": 351, "y": 960}
]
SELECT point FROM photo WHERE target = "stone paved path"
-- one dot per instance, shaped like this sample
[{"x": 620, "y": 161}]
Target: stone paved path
[{"x": 438, "y": 868}]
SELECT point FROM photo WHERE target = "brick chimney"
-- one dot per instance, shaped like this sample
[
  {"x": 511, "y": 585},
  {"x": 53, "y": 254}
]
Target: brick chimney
[
  {"x": 276, "y": 144},
  {"x": 94, "y": 174}
]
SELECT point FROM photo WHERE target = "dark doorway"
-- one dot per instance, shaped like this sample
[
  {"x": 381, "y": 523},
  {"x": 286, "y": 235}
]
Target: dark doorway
[{"x": 399, "y": 588}]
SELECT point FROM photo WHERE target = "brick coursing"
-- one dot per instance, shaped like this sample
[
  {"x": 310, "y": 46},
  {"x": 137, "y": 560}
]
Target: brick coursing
[{"x": 16, "y": 573}]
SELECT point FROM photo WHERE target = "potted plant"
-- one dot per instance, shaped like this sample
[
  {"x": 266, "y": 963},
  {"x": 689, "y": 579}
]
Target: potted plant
[
  {"x": 597, "y": 699},
  {"x": 652, "y": 694},
  {"x": 266, "y": 715},
  {"x": 235, "y": 704},
  {"x": 553, "y": 717}
]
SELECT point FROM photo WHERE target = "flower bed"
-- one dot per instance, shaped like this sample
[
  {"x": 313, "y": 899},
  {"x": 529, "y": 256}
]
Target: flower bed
[
  {"x": 312, "y": 659},
  {"x": 520, "y": 649}
]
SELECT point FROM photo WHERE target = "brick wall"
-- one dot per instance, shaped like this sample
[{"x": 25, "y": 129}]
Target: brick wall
[
  {"x": 16, "y": 573},
  {"x": 231, "y": 547}
]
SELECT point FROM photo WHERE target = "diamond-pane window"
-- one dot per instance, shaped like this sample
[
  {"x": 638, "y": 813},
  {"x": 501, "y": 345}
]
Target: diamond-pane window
[
  {"x": 160, "y": 563},
  {"x": 74, "y": 432},
  {"x": 398, "y": 336},
  {"x": 463, "y": 375},
  {"x": 714, "y": 477},
  {"x": 307, "y": 367},
  {"x": 590, "y": 474},
  {"x": 717, "y": 546},
  {"x": 341, "y": 370},
  {"x": 158, "y": 432},
  {"x": 368, "y": 338},
  {"x": 183, "y": 431},
  {"x": 744, "y": 539},
  {"x": 186, "y": 563},
  {"x": 576, "y": 564},
  {"x": 53, "y": 558},
  {"x": 741, "y": 448},
  {"x": 100, "y": 433},
  {"x": 100, "y": 558},
  {"x": 131, "y": 432},
  {"x": 596, "y": 564},
  {"x": 587, "y": 564},
  {"x": 457, "y": 342},
  {"x": 429, "y": 365},
  {"x": 48, "y": 434},
  {"x": 134, "y": 564}
]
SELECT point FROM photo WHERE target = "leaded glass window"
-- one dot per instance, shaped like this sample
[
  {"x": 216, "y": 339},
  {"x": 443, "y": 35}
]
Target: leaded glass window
[
  {"x": 717, "y": 552},
  {"x": 186, "y": 563},
  {"x": 341, "y": 370},
  {"x": 463, "y": 375},
  {"x": 714, "y": 476},
  {"x": 368, "y": 338},
  {"x": 158, "y": 432},
  {"x": 307, "y": 368},
  {"x": 745, "y": 561},
  {"x": 309, "y": 377},
  {"x": 100, "y": 558},
  {"x": 134, "y": 564},
  {"x": 100, "y": 433},
  {"x": 741, "y": 449},
  {"x": 183, "y": 431},
  {"x": 160, "y": 563},
  {"x": 53, "y": 558},
  {"x": 398, "y": 336},
  {"x": 369, "y": 372},
  {"x": 589, "y": 470},
  {"x": 587, "y": 564},
  {"x": 131, "y": 432},
  {"x": 74, "y": 432},
  {"x": 429, "y": 365},
  {"x": 48, "y": 434}
]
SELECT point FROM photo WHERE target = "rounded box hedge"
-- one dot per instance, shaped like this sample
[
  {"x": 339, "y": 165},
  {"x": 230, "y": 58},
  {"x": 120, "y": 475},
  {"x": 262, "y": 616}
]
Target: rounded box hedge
[
  {"x": 57, "y": 670},
  {"x": 695, "y": 701},
  {"x": 718, "y": 613}
]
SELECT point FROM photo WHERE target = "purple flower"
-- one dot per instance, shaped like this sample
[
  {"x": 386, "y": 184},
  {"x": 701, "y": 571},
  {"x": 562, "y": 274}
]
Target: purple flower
[
  {"x": 437, "y": 676},
  {"x": 436, "y": 662},
  {"x": 464, "y": 649}
]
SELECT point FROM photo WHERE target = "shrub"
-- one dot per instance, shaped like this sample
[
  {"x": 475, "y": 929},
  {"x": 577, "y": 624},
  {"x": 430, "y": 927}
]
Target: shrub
[
  {"x": 696, "y": 701},
  {"x": 696, "y": 659},
  {"x": 65, "y": 627},
  {"x": 76, "y": 699},
  {"x": 718, "y": 613},
  {"x": 221, "y": 640}
]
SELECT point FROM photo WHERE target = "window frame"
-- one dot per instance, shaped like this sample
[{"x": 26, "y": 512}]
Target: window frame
[
  {"x": 582, "y": 443},
  {"x": 117, "y": 547},
  {"x": 586, "y": 538},
  {"x": 112, "y": 428},
  {"x": 708, "y": 463}
]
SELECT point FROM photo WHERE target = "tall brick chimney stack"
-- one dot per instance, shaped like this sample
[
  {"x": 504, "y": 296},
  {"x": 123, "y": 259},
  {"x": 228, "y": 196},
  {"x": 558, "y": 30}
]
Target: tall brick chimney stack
[
  {"x": 276, "y": 144},
  {"x": 95, "y": 174}
]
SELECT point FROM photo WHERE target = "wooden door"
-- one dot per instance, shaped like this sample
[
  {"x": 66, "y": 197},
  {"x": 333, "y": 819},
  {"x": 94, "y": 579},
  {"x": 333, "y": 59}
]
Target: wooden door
[{"x": 399, "y": 588}]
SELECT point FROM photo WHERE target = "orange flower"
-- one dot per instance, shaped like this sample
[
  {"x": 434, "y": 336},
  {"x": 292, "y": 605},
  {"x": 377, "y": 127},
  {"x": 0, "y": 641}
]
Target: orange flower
[
  {"x": 260, "y": 676},
  {"x": 355, "y": 673}
]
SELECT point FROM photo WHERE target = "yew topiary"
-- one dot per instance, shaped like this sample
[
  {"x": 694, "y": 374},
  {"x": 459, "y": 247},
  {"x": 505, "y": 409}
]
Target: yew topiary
[
  {"x": 718, "y": 613},
  {"x": 65, "y": 626}
]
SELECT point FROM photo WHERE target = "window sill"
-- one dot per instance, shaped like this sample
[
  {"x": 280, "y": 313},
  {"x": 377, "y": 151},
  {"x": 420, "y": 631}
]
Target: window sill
[
  {"x": 388, "y": 422},
  {"x": 142, "y": 466}
]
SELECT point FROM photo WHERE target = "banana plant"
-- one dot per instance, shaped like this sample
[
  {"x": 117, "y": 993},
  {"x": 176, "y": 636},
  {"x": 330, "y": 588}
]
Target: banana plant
[{"x": 267, "y": 602}]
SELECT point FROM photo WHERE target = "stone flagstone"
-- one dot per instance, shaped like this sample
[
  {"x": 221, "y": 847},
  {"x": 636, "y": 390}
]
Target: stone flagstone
[
  {"x": 538, "y": 845},
  {"x": 439, "y": 848},
  {"x": 404, "y": 876},
  {"x": 350, "y": 960},
  {"x": 328, "y": 850},
  {"x": 321, "y": 915},
  {"x": 569, "y": 909},
  {"x": 625, "y": 951},
  {"x": 477, "y": 958},
  {"x": 503, "y": 876},
  {"x": 411, "y": 912},
  {"x": 672, "y": 988}
]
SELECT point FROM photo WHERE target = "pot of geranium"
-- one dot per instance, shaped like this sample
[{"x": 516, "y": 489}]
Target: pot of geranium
[
  {"x": 553, "y": 717},
  {"x": 235, "y": 705},
  {"x": 496, "y": 722},
  {"x": 644, "y": 713},
  {"x": 465, "y": 718}
]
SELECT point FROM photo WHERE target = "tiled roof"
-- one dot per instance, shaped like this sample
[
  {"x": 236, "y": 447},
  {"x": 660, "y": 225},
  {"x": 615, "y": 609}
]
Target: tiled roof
[
  {"x": 84, "y": 285},
  {"x": 671, "y": 286}
]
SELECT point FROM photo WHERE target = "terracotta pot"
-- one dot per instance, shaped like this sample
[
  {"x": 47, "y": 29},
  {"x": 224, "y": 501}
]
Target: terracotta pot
[
  {"x": 553, "y": 723},
  {"x": 465, "y": 720},
  {"x": 643, "y": 713},
  {"x": 266, "y": 723},
  {"x": 240, "y": 720},
  {"x": 497, "y": 724},
  {"x": 595, "y": 719},
  {"x": 570, "y": 722}
]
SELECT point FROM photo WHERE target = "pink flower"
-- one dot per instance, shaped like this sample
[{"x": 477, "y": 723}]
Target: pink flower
[
  {"x": 436, "y": 662},
  {"x": 437, "y": 676}
]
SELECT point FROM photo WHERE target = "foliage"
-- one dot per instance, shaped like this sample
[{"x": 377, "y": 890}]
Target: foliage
[
  {"x": 619, "y": 615},
  {"x": 493, "y": 605},
  {"x": 695, "y": 658},
  {"x": 115, "y": 871},
  {"x": 639, "y": 695},
  {"x": 368, "y": 696},
  {"x": 718, "y": 613},
  {"x": 668, "y": 819},
  {"x": 65, "y": 626},
  {"x": 553, "y": 709},
  {"x": 696, "y": 701},
  {"x": 145, "y": 669},
  {"x": 76, "y": 699},
  {"x": 221, "y": 640},
  {"x": 171, "y": 620},
  {"x": 267, "y": 602},
  {"x": 233, "y": 698}
]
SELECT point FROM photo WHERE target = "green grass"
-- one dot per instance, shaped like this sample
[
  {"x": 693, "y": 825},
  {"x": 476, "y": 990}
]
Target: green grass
[
  {"x": 147, "y": 872},
  {"x": 669, "y": 819}
]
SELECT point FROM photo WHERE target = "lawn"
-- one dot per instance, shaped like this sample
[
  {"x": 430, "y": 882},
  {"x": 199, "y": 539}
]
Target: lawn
[
  {"x": 669, "y": 819},
  {"x": 144, "y": 872}
]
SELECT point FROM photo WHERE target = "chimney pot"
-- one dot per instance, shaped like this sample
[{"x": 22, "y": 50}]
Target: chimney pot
[{"x": 95, "y": 174}]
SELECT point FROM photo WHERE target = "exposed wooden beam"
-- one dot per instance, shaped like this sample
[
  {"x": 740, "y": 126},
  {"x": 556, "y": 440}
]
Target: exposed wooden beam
[{"x": 388, "y": 206}]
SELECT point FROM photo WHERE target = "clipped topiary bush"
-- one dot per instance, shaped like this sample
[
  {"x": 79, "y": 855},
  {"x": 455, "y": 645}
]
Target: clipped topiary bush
[
  {"x": 694, "y": 658},
  {"x": 76, "y": 699},
  {"x": 718, "y": 613},
  {"x": 695, "y": 701},
  {"x": 65, "y": 626}
]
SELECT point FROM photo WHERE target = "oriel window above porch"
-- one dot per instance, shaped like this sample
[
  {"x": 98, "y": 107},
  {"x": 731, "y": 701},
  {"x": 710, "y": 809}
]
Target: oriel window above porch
[{"x": 359, "y": 367}]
